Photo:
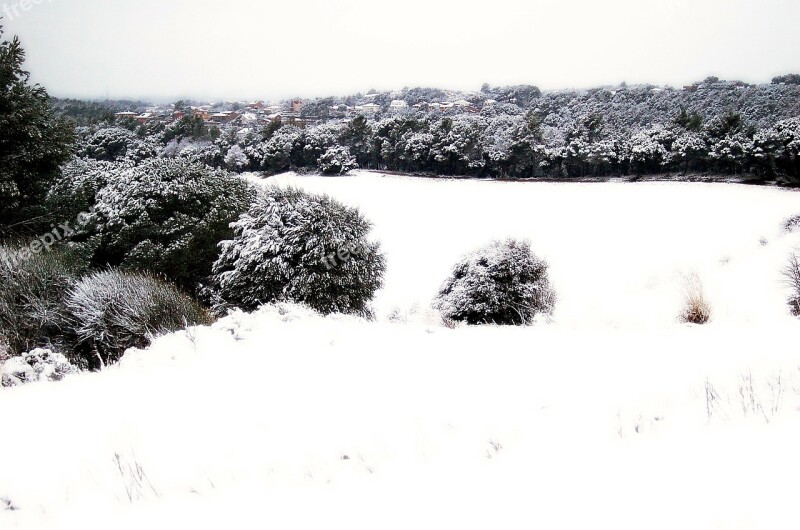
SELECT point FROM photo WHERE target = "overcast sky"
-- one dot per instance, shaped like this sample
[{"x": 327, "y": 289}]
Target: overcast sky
[{"x": 165, "y": 49}]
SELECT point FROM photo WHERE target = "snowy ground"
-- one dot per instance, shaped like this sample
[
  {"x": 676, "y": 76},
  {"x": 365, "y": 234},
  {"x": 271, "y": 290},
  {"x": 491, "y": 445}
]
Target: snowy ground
[{"x": 612, "y": 416}]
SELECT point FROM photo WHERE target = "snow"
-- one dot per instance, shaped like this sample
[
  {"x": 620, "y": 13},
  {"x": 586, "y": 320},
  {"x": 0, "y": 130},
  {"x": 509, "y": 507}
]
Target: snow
[{"x": 612, "y": 416}]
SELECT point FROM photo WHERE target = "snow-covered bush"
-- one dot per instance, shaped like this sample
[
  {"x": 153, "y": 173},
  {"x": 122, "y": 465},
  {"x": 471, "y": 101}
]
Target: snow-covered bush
[
  {"x": 166, "y": 216},
  {"x": 791, "y": 277},
  {"x": 32, "y": 288},
  {"x": 74, "y": 191},
  {"x": 299, "y": 247},
  {"x": 109, "y": 143},
  {"x": 275, "y": 153},
  {"x": 111, "y": 311},
  {"x": 503, "y": 283},
  {"x": 236, "y": 159},
  {"x": 791, "y": 224},
  {"x": 37, "y": 365},
  {"x": 337, "y": 160}
]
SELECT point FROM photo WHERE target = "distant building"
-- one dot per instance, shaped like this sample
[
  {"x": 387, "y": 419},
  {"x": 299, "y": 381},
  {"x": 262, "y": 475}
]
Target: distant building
[
  {"x": 203, "y": 114},
  {"x": 297, "y": 105},
  {"x": 144, "y": 118},
  {"x": 398, "y": 105},
  {"x": 223, "y": 117},
  {"x": 126, "y": 115},
  {"x": 178, "y": 114},
  {"x": 368, "y": 108},
  {"x": 339, "y": 111}
]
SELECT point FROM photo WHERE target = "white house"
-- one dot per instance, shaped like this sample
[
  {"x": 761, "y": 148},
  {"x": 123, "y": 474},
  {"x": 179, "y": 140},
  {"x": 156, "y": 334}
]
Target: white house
[
  {"x": 398, "y": 105},
  {"x": 368, "y": 108}
]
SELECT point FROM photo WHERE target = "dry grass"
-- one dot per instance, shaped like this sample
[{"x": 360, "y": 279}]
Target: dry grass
[
  {"x": 696, "y": 309},
  {"x": 791, "y": 277}
]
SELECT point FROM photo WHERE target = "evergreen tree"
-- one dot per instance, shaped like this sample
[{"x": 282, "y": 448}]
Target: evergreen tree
[{"x": 33, "y": 144}]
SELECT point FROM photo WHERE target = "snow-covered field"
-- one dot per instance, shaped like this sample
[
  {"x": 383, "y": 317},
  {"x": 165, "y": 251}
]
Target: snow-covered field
[{"x": 613, "y": 415}]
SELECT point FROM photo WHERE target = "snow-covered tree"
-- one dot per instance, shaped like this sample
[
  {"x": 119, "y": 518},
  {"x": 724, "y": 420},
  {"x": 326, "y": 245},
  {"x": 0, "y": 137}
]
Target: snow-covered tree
[
  {"x": 688, "y": 149},
  {"x": 33, "y": 143},
  {"x": 166, "y": 216},
  {"x": 109, "y": 143},
  {"x": 503, "y": 283},
  {"x": 294, "y": 246},
  {"x": 277, "y": 152},
  {"x": 236, "y": 159},
  {"x": 337, "y": 160}
]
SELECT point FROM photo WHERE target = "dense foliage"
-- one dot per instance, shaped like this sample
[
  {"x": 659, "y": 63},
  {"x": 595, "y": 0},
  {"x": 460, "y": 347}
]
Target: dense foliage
[
  {"x": 32, "y": 288},
  {"x": 711, "y": 127},
  {"x": 165, "y": 216},
  {"x": 33, "y": 143},
  {"x": 293, "y": 246},
  {"x": 503, "y": 283}
]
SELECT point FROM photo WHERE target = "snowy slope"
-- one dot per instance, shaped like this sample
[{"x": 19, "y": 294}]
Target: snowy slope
[{"x": 613, "y": 415}]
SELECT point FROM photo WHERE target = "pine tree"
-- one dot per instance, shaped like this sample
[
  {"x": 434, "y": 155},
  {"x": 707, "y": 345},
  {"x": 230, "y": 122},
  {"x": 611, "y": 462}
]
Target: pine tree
[{"x": 33, "y": 144}]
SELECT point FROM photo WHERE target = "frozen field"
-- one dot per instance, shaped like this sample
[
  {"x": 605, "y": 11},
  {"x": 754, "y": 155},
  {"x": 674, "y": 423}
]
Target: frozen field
[{"x": 613, "y": 415}]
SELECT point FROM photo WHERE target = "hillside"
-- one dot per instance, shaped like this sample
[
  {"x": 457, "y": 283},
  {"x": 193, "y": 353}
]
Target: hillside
[{"x": 611, "y": 414}]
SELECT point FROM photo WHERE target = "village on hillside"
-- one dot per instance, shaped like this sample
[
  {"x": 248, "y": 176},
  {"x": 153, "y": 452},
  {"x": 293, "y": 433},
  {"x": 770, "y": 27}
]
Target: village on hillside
[{"x": 290, "y": 112}]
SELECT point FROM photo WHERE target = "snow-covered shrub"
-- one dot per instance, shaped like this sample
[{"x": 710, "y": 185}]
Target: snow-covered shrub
[
  {"x": 791, "y": 224},
  {"x": 109, "y": 143},
  {"x": 236, "y": 159},
  {"x": 166, "y": 216},
  {"x": 503, "y": 283},
  {"x": 791, "y": 277},
  {"x": 276, "y": 153},
  {"x": 37, "y": 365},
  {"x": 696, "y": 308},
  {"x": 74, "y": 191},
  {"x": 337, "y": 160},
  {"x": 299, "y": 247},
  {"x": 32, "y": 288},
  {"x": 112, "y": 311}
]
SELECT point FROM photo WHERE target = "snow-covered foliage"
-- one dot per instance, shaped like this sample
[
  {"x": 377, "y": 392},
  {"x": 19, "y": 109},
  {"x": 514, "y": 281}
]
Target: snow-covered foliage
[
  {"x": 503, "y": 283},
  {"x": 166, "y": 216},
  {"x": 74, "y": 191},
  {"x": 236, "y": 159},
  {"x": 111, "y": 311},
  {"x": 337, "y": 160},
  {"x": 39, "y": 364},
  {"x": 201, "y": 152},
  {"x": 32, "y": 287},
  {"x": 300, "y": 247},
  {"x": 109, "y": 143},
  {"x": 515, "y": 132},
  {"x": 277, "y": 151},
  {"x": 34, "y": 143}
]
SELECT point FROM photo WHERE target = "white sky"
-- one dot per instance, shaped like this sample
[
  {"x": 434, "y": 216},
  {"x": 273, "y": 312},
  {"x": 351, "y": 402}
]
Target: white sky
[{"x": 165, "y": 49}]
